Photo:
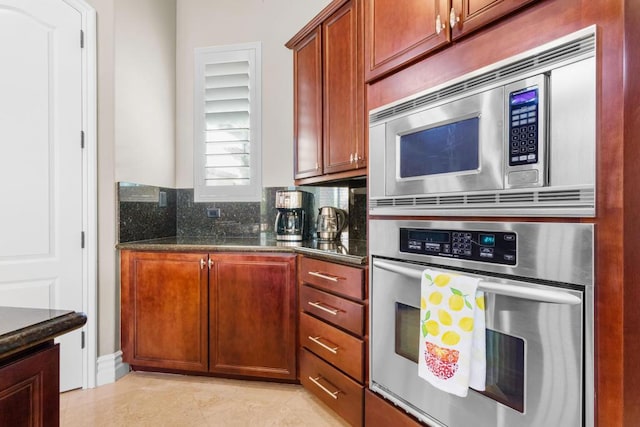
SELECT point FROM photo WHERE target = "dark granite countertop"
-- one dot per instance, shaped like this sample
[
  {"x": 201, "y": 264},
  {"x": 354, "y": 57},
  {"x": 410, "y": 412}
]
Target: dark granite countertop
[
  {"x": 346, "y": 251},
  {"x": 21, "y": 328}
]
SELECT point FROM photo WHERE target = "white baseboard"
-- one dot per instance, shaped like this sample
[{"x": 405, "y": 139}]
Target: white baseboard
[{"x": 110, "y": 368}]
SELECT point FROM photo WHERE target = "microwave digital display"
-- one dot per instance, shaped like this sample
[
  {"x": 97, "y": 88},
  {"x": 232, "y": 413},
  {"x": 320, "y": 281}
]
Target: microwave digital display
[
  {"x": 453, "y": 147},
  {"x": 524, "y": 97}
]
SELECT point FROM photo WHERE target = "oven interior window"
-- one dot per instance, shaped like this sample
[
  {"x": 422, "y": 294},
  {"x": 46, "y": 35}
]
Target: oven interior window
[
  {"x": 505, "y": 357},
  {"x": 443, "y": 149}
]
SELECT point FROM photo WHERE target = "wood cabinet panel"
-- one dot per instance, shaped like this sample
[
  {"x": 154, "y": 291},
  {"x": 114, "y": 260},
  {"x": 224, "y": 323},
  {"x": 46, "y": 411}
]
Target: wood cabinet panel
[
  {"x": 469, "y": 15},
  {"x": 307, "y": 64},
  {"x": 252, "y": 315},
  {"x": 329, "y": 107},
  {"x": 30, "y": 389},
  {"x": 342, "y": 119},
  {"x": 335, "y": 389},
  {"x": 336, "y": 347},
  {"x": 380, "y": 413},
  {"x": 398, "y": 34},
  {"x": 338, "y": 311},
  {"x": 165, "y": 310},
  {"x": 336, "y": 278}
]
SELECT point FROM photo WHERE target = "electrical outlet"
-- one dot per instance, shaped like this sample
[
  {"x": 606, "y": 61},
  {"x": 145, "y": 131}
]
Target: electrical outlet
[
  {"x": 213, "y": 212},
  {"x": 162, "y": 199}
]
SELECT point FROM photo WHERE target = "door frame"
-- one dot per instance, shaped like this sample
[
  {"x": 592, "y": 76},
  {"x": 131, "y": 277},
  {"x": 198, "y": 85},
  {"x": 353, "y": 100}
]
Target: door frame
[{"x": 89, "y": 189}]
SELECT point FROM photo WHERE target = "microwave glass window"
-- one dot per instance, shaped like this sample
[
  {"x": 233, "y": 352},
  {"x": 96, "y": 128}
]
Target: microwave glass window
[
  {"x": 407, "y": 331},
  {"x": 453, "y": 147},
  {"x": 505, "y": 357}
]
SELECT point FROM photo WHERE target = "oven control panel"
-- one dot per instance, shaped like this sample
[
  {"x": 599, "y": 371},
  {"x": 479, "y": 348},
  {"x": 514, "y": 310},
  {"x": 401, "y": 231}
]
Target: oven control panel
[{"x": 496, "y": 247}]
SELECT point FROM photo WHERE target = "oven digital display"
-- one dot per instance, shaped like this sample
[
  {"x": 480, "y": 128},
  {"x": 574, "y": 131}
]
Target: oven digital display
[
  {"x": 487, "y": 239},
  {"x": 429, "y": 236}
]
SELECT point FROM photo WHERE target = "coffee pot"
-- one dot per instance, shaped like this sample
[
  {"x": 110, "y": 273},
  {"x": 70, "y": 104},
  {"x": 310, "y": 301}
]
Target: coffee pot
[{"x": 330, "y": 223}]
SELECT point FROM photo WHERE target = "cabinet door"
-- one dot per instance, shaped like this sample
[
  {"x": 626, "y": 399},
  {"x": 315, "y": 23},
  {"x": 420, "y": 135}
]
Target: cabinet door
[
  {"x": 30, "y": 389},
  {"x": 396, "y": 34},
  {"x": 252, "y": 315},
  {"x": 307, "y": 126},
  {"x": 164, "y": 310},
  {"x": 469, "y": 15},
  {"x": 343, "y": 88}
]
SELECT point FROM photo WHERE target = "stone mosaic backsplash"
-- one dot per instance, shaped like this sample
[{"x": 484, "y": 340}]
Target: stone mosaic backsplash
[{"x": 145, "y": 213}]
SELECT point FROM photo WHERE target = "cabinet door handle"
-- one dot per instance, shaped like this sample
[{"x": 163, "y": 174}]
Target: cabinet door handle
[
  {"x": 323, "y": 276},
  {"x": 453, "y": 19},
  {"x": 319, "y": 306},
  {"x": 316, "y": 340},
  {"x": 439, "y": 25},
  {"x": 351, "y": 158},
  {"x": 202, "y": 263},
  {"x": 210, "y": 263},
  {"x": 316, "y": 381}
]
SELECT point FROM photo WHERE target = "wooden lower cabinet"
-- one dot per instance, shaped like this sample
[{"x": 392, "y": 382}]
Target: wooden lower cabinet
[
  {"x": 336, "y": 390},
  {"x": 380, "y": 413},
  {"x": 164, "y": 310},
  {"x": 252, "y": 315},
  {"x": 223, "y": 313},
  {"x": 332, "y": 330},
  {"x": 30, "y": 389}
]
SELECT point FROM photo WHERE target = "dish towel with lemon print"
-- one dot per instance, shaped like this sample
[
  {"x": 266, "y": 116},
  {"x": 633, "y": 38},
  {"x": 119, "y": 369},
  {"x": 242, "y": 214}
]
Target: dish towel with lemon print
[{"x": 452, "y": 354}]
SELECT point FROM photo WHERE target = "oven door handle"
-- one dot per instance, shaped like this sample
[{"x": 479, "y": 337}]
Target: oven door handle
[{"x": 534, "y": 294}]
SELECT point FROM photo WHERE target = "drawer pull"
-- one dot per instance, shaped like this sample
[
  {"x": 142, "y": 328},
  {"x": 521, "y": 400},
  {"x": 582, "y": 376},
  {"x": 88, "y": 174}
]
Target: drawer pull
[
  {"x": 324, "y": 276},
  {"x": 316, "y": 381},
  {"x": 319, "y": 306},
  {"x": 316, "y": 340}
]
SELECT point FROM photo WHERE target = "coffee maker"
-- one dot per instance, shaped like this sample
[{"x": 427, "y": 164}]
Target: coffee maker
[{"x": 291, "y": 220}]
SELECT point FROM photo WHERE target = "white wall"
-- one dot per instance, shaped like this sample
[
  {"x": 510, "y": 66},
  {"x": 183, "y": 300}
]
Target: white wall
[
  {"x": 203, "y": 23},
  {"x": 145, "y": 94}
]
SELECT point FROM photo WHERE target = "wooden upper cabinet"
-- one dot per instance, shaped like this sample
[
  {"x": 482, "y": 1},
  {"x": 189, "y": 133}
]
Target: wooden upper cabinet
[
  {"x": 307, "y": 126},
  {"x": 165, "y": 310},
  {"x": 329, "y": 110},
  {"x": 466, "y": 16},
  {"x": 343, "y": 89},
  {"x": 397, "y": 33}
]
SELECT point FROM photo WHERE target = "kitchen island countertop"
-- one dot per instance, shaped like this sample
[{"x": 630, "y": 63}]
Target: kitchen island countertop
[
  {"x": 346, "y": 251},
  {"x": 22, "y": 328}
]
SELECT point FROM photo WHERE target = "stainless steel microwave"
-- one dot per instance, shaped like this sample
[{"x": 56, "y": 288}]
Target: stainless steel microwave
[{"x": 514, "y": 138}]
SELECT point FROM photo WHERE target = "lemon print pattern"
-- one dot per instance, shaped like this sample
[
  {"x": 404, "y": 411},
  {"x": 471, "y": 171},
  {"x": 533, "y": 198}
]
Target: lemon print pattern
[
  {"x": 450, "y": 338},
  {"x": 435, "y": 298},
  {"x": 480, "y": 302},
  {"x": 466, "y": 324},
  {"x": 445, "y": 317},
  {"x": 441, "y": 280},
  {"x": 433, "y": 327},
  {"x": 423, "y": 303},
  {"x": 456, "y": 302}
]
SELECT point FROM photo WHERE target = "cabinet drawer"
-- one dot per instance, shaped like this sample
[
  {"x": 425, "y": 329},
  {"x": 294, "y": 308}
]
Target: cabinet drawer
[
  {"x": 336, "y": 347},
  {"x": 335, "y": 389},
  {"x": 338, "y": 311},
  {"x": 336, "y": 278}
]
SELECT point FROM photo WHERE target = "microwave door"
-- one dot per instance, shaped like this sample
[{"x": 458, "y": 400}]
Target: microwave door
[{"x": 452, "y": 147}]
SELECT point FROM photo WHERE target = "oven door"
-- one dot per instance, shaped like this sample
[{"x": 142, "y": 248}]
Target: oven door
[{"x": 534, "y": 352}]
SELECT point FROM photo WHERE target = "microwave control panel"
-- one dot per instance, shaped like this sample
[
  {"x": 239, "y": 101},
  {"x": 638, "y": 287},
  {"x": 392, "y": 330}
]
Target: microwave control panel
[
  {"x": 495, "y": 247},
  {"x": 523, "y": 127}
]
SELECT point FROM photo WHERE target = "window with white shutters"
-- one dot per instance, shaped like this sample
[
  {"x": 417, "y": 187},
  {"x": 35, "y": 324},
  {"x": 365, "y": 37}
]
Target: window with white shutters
[{"x": 227, "y": 161}]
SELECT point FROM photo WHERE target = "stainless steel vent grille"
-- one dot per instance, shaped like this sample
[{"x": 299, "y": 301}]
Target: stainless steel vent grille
[
  {"x": 537, "y": 61},
  {"x": 536, "y": 202}
]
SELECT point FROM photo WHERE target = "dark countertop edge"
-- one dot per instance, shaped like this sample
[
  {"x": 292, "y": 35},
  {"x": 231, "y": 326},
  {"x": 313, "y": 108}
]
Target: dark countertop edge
[
  {"x": 38, "y": 333},
  {"x": 157, "y": 245}
]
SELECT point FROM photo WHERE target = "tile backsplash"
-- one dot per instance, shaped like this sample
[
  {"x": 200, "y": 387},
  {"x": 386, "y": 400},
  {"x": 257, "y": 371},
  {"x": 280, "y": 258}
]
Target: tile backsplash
[{"x": 147, "y": 212}]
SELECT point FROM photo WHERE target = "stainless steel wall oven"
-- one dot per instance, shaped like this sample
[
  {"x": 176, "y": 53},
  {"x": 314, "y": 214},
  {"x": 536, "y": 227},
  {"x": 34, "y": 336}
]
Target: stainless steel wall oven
[{"x": 538, "y": 283}]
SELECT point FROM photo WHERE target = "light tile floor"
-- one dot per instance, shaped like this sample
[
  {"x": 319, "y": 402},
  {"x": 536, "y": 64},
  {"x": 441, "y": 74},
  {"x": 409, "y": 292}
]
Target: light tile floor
[{"x": 153, "y": 399}]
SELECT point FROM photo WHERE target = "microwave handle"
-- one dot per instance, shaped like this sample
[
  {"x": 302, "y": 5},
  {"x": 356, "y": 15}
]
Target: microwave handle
[{"x": 534, "y": 294}]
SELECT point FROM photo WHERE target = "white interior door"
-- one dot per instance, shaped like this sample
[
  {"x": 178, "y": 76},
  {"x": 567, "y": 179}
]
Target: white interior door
[{"x": 41, "y": 169}]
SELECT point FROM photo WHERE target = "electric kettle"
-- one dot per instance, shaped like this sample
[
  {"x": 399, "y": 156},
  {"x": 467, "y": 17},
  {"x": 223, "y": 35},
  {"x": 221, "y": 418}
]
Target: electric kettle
[{"x": 330, "y": 222}]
